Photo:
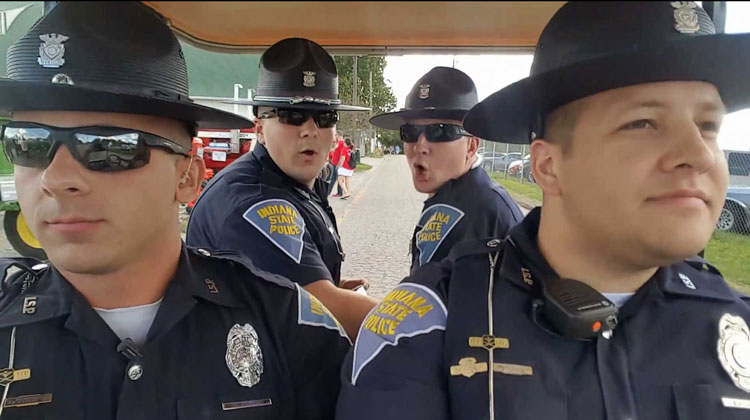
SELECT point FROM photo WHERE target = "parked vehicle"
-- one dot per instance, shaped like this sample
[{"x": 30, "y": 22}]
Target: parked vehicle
[
  {"x": 735, "y": 216},
  {"x": 739, "y": 167},
  {"x": 498, "y": 162},
  {"x": 219, "y": 148}
]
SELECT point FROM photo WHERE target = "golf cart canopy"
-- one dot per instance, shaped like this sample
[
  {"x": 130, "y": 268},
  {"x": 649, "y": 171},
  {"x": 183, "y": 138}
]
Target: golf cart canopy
[{"x": 361, "y": 28}]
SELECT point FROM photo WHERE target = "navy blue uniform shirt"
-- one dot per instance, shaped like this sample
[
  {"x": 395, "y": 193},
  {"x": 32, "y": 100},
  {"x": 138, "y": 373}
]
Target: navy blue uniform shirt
[
  {"x": 252, "y": 207},
  {"x": 219, "y": 311},
  {"x": 471, "y": 206},
  {"x": 681, "y": 349}
]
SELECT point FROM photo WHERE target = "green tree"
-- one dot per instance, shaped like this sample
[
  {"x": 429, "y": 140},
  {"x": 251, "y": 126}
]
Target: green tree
[{"x": 356, "y": 124}]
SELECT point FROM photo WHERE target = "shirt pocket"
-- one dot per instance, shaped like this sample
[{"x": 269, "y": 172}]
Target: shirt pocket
[
  {"x": 702, "y": 402},
  {"x": 519, "y": 398},
  {"x": 228, "y": 407}
]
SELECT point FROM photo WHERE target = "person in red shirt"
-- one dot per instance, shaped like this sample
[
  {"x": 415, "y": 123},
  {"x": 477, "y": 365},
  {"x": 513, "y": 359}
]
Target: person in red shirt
[
  {"x": 346, "y": 170},
  {"x": 339, "y": 159}
]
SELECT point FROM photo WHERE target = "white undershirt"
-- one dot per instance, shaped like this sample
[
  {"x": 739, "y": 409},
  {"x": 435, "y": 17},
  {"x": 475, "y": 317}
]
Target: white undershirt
[
  {"x": 132, "y": 322},
  {"x": 618, "y": 299}
]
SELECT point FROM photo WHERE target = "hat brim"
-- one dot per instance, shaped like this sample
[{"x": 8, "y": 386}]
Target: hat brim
[
  {"x": 299, "y": 105},
  {"x": 394, "y": 120},
  {"x": 509, "y": 115},
  {"x": 33, "y": 96}
]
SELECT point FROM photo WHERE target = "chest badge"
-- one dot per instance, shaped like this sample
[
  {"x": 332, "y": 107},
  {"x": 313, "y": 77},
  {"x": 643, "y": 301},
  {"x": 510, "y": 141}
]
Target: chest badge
[
  {"x": 734, "y": 350},
  {"x": 244, "y": 358}
]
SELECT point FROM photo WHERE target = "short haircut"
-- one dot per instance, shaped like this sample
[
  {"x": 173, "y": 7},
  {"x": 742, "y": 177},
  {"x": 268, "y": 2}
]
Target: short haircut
[{"x": 560, "y": 124}]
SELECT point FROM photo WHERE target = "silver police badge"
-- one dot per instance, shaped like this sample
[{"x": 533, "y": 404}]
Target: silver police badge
[
  {"x": 734, "y": 350},
  {"x": 244, "y": 358},
  {"x": 685, "y": 17},
  {"x": 308, "y": 78},
  {"x": 424, "y": 91},
  {"x": 52, "y": 50}
]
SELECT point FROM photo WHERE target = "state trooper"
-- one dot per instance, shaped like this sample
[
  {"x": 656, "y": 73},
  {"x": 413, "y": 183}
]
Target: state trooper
[
  {"x": 124, "y": 321},
  {"x": 595, "y": 307},
  {"x": 271, "y": 205},
  {"x": 463, "y": 202}
]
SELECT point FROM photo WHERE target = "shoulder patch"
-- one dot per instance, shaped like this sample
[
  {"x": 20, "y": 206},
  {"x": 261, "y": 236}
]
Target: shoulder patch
[
  {"x": 311, "y": 311},
  {"x": 280, "y": 222},
  {"x": 434, "y": 225},
  {"x": 408, "y": 310}
]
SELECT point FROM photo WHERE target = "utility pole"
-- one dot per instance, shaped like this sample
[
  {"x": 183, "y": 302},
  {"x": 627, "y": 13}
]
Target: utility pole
[
  {"x": 355, "y": 90},
  {"x": 371, "y": 131}
]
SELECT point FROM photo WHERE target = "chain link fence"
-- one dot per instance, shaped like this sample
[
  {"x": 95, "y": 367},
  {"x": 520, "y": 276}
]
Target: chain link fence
[
  {"x": 506, "y": 160},
  {"x": 735, "y": 216}
]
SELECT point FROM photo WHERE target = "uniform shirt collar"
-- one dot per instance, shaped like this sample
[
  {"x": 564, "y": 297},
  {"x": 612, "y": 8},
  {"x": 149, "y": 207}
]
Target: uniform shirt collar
[
  {"x": 460, "y": 185},
  {"x": 523, "y": 264},
  {"x": 198, "y": 276}
]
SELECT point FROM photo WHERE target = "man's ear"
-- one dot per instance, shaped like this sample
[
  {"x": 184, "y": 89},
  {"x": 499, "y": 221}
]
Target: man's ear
[
  {"x": 545, "y": 165},
  {"x": 192, "y": 171},
  {"x": 473, "y": 147}
]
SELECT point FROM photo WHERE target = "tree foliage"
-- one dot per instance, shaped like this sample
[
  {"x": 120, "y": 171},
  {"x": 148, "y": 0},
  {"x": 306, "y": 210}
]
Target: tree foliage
[{"x": 383, "y": 99}]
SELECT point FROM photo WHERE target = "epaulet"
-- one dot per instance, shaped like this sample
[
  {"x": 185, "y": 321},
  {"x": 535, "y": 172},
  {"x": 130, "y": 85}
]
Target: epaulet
[
  {"x": 19, "y": 274},
  {"x": 468, "y": 247},
  {"x": 701, "y": 264},
  {"x": 244, "y": 263}
]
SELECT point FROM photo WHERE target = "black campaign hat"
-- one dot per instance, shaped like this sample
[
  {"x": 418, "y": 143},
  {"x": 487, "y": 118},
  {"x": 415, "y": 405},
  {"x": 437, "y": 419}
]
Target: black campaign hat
[
  {"x": 589, "y": 48},
  {"x": 443, "y": 92},
  {"x": 298, "y": 73},
  {"x": 104, "y": 57}
]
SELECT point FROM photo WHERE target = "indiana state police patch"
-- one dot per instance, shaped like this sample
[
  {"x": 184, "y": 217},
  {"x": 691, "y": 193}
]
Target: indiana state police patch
[
  {"x": 409, "y": 310},
  {"x": 281, "y": 223},
  {"x": 434, "y": 225},
  {"x": 311, "y": 311}
]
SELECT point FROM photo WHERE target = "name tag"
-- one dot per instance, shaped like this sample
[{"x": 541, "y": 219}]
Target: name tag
[{"x": 736, "y": 403}]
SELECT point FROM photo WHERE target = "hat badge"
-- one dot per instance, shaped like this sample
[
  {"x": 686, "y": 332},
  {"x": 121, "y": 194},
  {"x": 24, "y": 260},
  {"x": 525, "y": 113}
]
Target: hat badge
[
  {"x": 52, "y": 50},
  {"x": 685, "y": 17},
  {"x": 308, "y": 78},
  {"x": 244, "y": 358},
  {"x": 424, "y": 91},
  {"x": 734, "y": 350}
]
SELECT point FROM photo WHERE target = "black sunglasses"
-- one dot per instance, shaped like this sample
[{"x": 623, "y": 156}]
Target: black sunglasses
[
  {"x": 435, "y": 133},
  {"x": 103, "y": 149},
  {"x": 292, "y": 116}
]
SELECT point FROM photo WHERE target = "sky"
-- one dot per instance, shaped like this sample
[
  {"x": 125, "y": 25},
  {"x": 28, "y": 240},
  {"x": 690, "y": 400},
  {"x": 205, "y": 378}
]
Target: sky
[{"x": 493, "y": 72}]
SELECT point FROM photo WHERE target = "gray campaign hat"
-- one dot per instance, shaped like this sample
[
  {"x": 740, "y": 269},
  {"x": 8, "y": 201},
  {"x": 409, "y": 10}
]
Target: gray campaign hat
[
  {"x": 298, "y": 73},
  {"x": 443, "y": 92},
  {"x": 104, "y": 57},
  {"x": 590, "y": 48}
]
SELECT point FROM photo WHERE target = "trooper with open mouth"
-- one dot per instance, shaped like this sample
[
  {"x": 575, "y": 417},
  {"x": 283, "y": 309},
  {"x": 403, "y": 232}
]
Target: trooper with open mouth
[
  {"x": 595, "y": 305},
  {"x": 124, "y": 321},
  {"x": 270, "y": 204},
  {"x": 463, "y": 202}
]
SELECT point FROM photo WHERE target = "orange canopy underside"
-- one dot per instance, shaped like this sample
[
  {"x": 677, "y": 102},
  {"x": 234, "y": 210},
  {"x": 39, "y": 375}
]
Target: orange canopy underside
[{"x": 375, "y": 27}]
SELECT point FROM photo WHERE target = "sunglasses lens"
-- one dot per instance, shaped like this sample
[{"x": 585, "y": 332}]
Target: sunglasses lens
[
  {"x": 293, "y": 117},
  {"x": 410, "y": 133},
  {"x": 442, "y": 133},
  {"x": 28, "y": 146},
  {"x": 326, "y": 119},
  {"x": 110, "y": 152}
]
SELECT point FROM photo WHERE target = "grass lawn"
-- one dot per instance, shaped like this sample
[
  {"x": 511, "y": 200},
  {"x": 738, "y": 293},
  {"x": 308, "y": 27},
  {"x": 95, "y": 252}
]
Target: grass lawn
[
  {"x": 362, "y": 167},
  {"x": 729, "y": 252},
  {"x": 6, "y": 167},
  {"x": 526, "y": 194}
]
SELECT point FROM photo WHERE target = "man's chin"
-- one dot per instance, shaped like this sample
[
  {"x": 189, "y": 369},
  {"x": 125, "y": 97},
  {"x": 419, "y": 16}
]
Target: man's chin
[{"x": 78, "y": 259}]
